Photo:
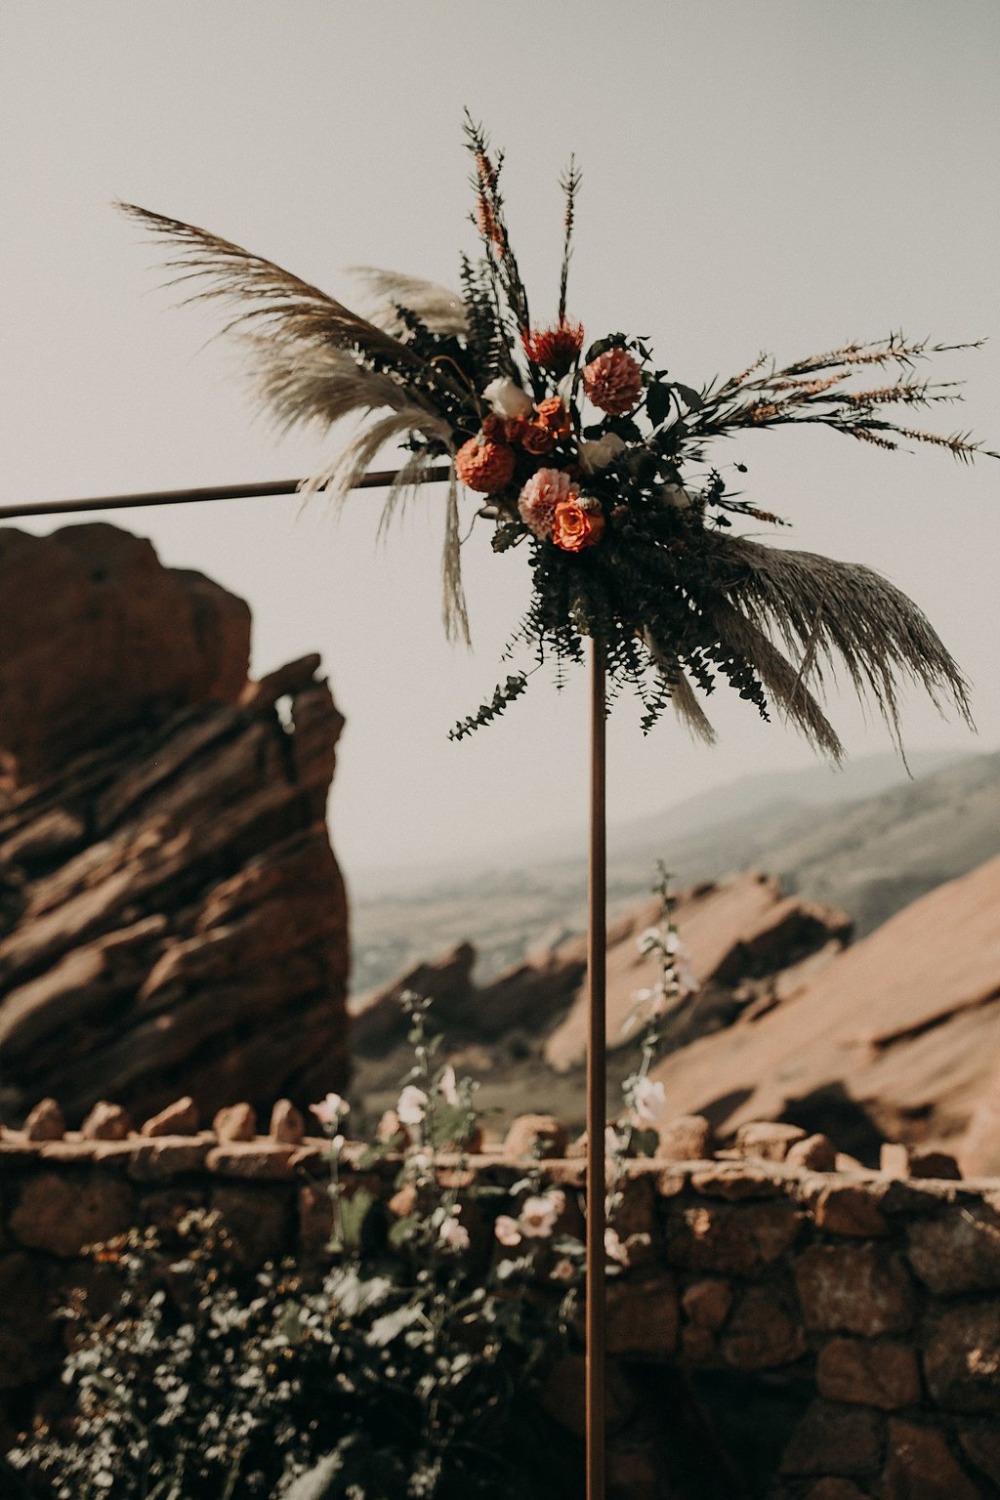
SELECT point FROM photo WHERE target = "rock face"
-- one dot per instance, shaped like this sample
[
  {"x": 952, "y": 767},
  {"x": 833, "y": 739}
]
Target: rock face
[
  {"x": 751, "y": 946},
  {"x": 736, "y": 931},
  {"x": 172, "y": 918},
  {"x": 97, "y": 637},
  {"x": 896, "y": 1038}
]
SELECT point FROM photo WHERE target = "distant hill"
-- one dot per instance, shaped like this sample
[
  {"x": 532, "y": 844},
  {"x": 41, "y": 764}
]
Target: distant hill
[{"x": 864, "y": 838}]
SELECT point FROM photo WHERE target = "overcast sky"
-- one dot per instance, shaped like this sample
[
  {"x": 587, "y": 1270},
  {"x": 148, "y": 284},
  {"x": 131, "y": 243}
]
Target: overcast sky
[{"x": 783, "y": 175}]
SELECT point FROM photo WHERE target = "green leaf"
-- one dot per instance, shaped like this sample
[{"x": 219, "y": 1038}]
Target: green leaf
[
  {"x": 657, "y": 402},
  {"x": 689, "y": 396},
  {"x": 353, "y": 1212},
  {"x": 390, "y": 1325}
]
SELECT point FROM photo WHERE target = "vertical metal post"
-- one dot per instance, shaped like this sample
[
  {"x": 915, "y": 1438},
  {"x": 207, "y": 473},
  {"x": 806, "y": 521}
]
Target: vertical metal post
[{"x": 596, "y": 1085}]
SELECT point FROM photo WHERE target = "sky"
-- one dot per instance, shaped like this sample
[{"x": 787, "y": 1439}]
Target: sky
[{"x": 781, "y": 175}]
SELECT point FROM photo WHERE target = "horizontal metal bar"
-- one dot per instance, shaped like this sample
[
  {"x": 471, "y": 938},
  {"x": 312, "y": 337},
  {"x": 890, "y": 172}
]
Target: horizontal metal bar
[{"x": 378, "y": 479}]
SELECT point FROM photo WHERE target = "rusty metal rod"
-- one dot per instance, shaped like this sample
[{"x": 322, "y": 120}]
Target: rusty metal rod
[
  {"x": 596, "y": 1083},
  {"x": 379, "y": 479}
]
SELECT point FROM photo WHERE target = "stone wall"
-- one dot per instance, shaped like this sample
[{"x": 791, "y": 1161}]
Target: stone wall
[{"x": 838, "y": 1329}]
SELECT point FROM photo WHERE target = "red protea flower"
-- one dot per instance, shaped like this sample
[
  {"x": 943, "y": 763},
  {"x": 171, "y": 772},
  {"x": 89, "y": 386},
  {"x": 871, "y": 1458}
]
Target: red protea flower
[
  {"x": 484, "y": 466},
  {"x": 613, "y": 381},
  {"x": 555, "y": 348}
]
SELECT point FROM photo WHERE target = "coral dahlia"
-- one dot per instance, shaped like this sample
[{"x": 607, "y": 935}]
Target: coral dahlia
[
  {"x": 484, "y": 466},
  {"x": 613, "y": 381},
  {"x": 555, "y": 348},
  {"x": 538, "y": 500}
]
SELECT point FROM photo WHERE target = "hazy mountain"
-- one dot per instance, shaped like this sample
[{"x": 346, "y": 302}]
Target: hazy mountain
[{"x": 865, "y": 838}]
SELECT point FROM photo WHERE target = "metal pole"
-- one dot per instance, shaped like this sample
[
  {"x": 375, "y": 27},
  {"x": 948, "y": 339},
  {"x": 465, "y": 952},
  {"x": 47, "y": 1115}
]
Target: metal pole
[
  {"x": 380, "y": 479},
  {"x": 596, "y": 1085}
]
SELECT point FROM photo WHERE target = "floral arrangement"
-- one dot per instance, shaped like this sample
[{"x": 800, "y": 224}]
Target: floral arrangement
[{"x": 596, "y": 460}]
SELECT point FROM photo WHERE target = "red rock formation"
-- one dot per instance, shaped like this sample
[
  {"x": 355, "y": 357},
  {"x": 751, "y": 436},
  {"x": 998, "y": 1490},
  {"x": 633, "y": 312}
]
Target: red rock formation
[
  {"x": 734, "y": 930},
  {"x": 751, "y": 946},
  {"x": 172, "y": 918},
  {"x": 96, "y": 637},
  {"x": 899, "y": 1033}
]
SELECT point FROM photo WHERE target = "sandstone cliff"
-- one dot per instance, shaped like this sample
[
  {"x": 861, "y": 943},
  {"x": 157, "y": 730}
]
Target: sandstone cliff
[
  {"x": 896, "y": 1039},
  {"x": 172, "y": 917}
]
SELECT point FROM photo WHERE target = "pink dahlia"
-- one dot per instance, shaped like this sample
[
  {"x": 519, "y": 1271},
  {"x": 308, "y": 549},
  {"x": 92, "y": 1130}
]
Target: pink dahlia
[
  {"x": 538, "y": 500},
  {"x": 613, "y": 381}
]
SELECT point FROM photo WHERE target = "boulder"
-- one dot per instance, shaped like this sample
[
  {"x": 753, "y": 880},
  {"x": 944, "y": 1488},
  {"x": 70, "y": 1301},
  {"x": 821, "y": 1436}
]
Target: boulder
[{"x": 172, "y": 917}]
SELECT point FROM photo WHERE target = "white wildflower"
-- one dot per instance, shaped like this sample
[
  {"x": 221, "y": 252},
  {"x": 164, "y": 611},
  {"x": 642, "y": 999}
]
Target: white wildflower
[
  {"x": 684, "y": 977},
  {"x": 448, "y": 1087},
  {"x": 613, "y": 1247},
  {"x": 452, "y": 1233},
  {"x": 649, "y": 1100},
  {"x": 411, "y": 1107}
]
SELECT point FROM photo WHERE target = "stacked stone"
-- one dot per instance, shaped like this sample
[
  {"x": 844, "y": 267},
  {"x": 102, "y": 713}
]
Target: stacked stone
[{"x": 866, "y": 1299}]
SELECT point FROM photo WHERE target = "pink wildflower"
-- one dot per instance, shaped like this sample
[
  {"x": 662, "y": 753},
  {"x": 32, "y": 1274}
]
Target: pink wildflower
[
  {"x": 507, "y": 1231},
  {"x": 613, "y": 1247},
  {"x": 329, "y": 1110},
  {"x": 539, "y": 1214}
]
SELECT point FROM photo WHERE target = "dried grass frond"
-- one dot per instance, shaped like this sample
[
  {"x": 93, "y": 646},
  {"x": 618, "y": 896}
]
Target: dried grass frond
[
  {"x": 319, "y": 384},
  {"x": 824, "y": 611},
  {"x": 340, "y": 477},
  {"x": 274, "y": 303},
  {"x": 784, "y": 682},
  {"x": 689, "y": 710},
  {"x": 347, "y": 470},
  {"x": 440, "y": 310},
  {"x": 960, "y": 444},
  {"x": 454, "y": 609},
  {"x": 682, "y": 695},
  {"x": 291, "y": 307}
]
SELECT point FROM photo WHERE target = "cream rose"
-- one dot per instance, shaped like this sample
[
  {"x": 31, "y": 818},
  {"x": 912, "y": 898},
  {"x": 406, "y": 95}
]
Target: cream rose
[{"x": 507, "y": 398}]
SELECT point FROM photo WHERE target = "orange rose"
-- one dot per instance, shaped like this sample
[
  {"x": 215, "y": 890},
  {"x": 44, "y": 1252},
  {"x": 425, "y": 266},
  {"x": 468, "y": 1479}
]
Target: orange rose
[
  {"x": 553, "y": 416},
  {"x": 575, "y": 526}
]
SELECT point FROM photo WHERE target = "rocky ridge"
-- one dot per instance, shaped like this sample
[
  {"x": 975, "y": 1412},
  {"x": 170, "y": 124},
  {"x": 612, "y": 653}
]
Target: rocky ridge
[
  {"x": 172, "y": 917},
  {"x": 523, "y": 1033}
]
